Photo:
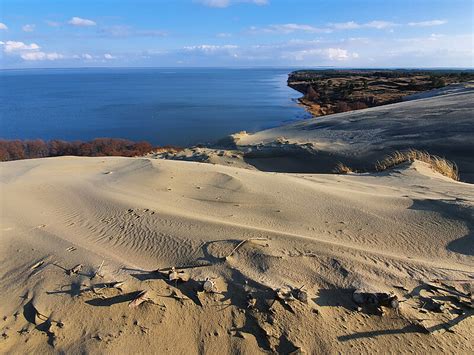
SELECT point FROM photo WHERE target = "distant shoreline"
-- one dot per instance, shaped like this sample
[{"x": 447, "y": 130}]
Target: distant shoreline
[{"x": 329, "y": 91}]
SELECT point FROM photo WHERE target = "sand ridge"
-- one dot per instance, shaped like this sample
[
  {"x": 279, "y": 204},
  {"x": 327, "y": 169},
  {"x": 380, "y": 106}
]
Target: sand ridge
[{"x": 328, "y": 233}]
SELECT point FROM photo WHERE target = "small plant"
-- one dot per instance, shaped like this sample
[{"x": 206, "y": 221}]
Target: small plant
[
  {"x": 438, "y": 164},
  {"x": 342, "y": 169}
]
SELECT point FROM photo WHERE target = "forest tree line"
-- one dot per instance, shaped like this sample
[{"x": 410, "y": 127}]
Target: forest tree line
[{"x": 28, "y": 149}]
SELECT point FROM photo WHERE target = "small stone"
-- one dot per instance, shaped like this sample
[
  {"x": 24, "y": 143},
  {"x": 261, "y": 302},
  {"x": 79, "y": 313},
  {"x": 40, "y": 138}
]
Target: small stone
[
  {"x": 301, "y": 295},
  {"x": 209, "y": 286}
]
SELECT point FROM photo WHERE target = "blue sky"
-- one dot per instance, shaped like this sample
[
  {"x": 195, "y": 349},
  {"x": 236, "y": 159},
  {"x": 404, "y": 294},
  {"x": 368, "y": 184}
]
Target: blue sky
[{"x": 235, "y": 33}]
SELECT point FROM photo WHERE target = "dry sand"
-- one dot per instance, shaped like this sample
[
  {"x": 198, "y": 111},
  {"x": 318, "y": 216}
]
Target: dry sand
[
  {"x": 332, "y": 234},
  {"x": 440, "y": 122}
]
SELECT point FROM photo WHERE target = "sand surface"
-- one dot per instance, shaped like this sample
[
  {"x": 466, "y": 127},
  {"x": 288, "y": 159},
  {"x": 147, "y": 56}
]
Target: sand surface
[
  {"x": 439, "y": 121},
  {"x": 390, "y": 232}
]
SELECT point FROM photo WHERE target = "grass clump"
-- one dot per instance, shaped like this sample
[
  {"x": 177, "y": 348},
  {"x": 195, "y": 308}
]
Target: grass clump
[
  {"x": 438, "y": 164},
  {"x": 342, "y": 169}
]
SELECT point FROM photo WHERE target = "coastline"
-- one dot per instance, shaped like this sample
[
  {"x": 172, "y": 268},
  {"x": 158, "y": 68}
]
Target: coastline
[
  {"x": 334, "y": 91},
  {"x": 357, "y": 139}
]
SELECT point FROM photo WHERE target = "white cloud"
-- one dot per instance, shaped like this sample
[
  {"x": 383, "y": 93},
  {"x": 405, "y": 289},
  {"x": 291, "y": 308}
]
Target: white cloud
[
  {"x": 86, "y": 56},
  {"x": 433, "y": 50},
  {"x": 379, "y": 24},
  {"x": 53, "y": 23},
  {"x": 217, "y": 52},
  {"x": 224, "y": 35},
  {"x": 288, "y": 28},
  {"x": 120, "y": 31},
  {"x": 28, "y": 52},
  {"x": 3, "y": 26},
  {"x": 352, "y": 25},
  {"x": 331, "y": 54},
  {"x": 294, "y": 27},
  {"x": 340, "y": 54},
  {"x": 210, "y": 48},
  {"x": 28, "y": 28},
  {"x": 81, "y": 22},
  {"x": 427, "y": 23},
  {"x": 33, "y": 56},
  {"x": 227, "y": 3},
  {"x": 14, "y": 46},
  {"x": 109, "y": 56}
]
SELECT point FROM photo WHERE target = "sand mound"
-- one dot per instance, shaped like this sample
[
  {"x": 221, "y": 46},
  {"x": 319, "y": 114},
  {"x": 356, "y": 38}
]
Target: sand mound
[
  {"x": 439, "y": 123},
  {"x": 124, "y": 218}
]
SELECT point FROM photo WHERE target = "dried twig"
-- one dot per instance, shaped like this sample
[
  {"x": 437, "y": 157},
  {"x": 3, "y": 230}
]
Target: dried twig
[
  {"x": 37, "y": 265},
  {"x": 97, "y": 273},
  {"x": 178, "y": 275},
  {"x": 75, "y": 269},
  {"x": 241, "y": 244},
  {"x": 141, "y": 297}
]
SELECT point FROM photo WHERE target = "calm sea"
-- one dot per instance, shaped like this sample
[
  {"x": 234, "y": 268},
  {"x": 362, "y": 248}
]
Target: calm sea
[{"x": 162, "y": 106}]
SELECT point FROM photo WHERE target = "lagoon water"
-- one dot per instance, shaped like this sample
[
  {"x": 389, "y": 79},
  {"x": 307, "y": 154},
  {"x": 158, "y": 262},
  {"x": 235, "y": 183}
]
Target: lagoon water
[{"x": 162, "y": 106}]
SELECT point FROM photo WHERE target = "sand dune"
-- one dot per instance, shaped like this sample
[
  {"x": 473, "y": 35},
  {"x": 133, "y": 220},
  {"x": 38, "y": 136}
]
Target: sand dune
[
  {"x": 330, "y": 233},
  {"x": 439, "y": 122}
]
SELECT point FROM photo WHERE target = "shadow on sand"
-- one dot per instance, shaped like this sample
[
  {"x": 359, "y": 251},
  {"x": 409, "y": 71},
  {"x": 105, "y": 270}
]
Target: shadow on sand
[
  {"x": 110, "y": 301},
  {"x": 452, "y": 211}
]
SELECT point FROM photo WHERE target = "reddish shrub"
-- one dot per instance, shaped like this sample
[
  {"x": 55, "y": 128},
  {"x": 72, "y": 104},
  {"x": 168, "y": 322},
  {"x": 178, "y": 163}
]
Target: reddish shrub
[
  {"x": 341, "y": 106},
  {"x": 358, "y": 105},
  {"x": 16, "y": 149},
  {"x": 36, "y": 149}
]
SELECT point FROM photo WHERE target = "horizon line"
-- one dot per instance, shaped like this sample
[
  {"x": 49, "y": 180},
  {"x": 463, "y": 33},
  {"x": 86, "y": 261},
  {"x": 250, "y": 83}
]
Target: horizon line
[{"x": 249, "y": 67}]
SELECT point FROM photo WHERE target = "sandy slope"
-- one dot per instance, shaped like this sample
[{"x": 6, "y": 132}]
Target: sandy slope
[
  {"x": 439, "y": 122},
  {"x": 329, "y": 233}
]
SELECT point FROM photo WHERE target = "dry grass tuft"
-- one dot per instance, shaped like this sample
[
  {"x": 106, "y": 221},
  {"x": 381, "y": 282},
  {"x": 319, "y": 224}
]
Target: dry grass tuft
[
  {"x": 342, "y": 169},
  {"x": 438, "y": 164}
]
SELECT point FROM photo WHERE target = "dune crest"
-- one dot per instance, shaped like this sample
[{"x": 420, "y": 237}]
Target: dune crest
[{"x": 123, "y": 219}]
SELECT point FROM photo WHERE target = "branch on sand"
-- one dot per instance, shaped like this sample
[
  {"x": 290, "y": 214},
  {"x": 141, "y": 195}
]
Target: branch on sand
[{"x": 241, "y": 244}]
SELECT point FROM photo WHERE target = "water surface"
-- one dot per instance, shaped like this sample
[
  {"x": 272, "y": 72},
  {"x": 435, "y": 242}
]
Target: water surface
[{"x": 163, "y": 106}]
